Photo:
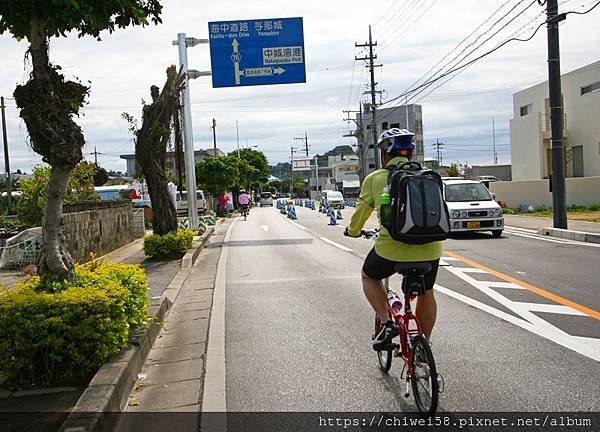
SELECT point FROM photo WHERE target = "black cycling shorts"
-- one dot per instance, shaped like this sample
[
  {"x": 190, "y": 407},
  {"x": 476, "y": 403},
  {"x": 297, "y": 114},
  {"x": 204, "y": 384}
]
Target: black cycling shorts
[{"x": 380, "y": 268}]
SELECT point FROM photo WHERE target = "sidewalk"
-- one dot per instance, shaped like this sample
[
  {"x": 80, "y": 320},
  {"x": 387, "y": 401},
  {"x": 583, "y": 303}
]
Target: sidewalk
[
  {"x": 61, "y": 400},
  {"x": 577, "y": 230},
  {"x": 535, "y": 222},
  {"x": 173, "y": 375}
]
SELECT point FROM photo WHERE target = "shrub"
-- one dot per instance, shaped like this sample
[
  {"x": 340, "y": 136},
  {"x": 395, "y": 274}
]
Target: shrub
[
  {"x": 172, "y": 245},
  {"x": 62, "y": 334}
]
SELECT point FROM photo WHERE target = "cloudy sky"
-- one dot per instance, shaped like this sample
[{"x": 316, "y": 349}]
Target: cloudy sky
[{"x": 413, "y": 37}]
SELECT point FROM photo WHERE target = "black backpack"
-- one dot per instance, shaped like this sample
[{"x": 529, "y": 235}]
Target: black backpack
[{"x": 418, "y": 213}]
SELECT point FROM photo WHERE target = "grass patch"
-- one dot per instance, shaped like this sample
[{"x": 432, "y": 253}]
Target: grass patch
[{"x": 587, "y": 213}]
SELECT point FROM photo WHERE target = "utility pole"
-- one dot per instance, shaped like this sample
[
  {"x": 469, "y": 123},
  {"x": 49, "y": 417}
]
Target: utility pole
[
  {"x": 371, "y": 65},
  {"x": 214, "y": 128},
  {"x": 292, "y": 151},
  {"x": 494, "y": 141},
  {"x": 439, "y": 145},
  {"x": 305, "y": 141},
  {"x": 237, "y": 134},
  {"x": 95, "y": 156},
  {"x": 6, "y": 159},
  {"x": 358, "y": 134},
  {"x": 559, "y": 201},
  {"x": 317, "y": 176}
]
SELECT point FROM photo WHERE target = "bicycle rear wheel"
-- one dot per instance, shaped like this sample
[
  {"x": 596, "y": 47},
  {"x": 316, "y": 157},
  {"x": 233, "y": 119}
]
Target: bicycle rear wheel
[
  {"x": 424, "y": 378},
  {"x": 385, "y": 356}
]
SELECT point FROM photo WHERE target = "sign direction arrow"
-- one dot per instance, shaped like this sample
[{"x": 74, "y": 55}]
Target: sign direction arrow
[
  {"x": 235, "y": 57},
  {"x": 261, "y": 72}
]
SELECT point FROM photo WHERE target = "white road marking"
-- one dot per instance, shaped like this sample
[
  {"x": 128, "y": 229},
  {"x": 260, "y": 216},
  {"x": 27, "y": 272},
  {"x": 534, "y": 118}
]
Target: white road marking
[
  {"x": 527, "y": 318},
  {"x": 337, "y": 245},
  {"x": 505, "y": 285},
  {"x": 265, "y": 227},
  {"x": 296, "y": 224},
  {"x": 550, "y": 308},
  {"x": 532, "y": 231}
]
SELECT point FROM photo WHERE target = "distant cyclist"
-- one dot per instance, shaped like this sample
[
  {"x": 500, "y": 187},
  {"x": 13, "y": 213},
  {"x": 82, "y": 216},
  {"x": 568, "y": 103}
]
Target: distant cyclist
[
  {"x": 244, "y": 200},
  {"x": 396, "y": 147}
]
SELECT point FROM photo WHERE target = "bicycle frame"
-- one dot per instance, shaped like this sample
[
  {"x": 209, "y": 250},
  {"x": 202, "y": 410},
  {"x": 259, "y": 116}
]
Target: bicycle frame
[{"x": 404, "y": 320}]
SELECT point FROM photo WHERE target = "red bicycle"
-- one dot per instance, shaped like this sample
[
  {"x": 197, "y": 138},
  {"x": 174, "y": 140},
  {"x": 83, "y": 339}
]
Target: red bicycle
[{"x": 411, "y": 345}]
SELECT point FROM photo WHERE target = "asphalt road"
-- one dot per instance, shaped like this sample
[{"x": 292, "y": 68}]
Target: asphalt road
[{"x": 514, "y": 330}]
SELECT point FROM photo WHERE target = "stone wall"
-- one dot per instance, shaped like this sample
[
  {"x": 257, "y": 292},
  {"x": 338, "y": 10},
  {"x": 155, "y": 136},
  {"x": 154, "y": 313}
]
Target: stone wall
[{"x": 98, "y": 229}]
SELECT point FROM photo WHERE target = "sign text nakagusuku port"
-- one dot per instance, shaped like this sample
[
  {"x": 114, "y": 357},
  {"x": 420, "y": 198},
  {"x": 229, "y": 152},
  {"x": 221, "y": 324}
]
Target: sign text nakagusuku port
[{"x": 257, "y": 52}]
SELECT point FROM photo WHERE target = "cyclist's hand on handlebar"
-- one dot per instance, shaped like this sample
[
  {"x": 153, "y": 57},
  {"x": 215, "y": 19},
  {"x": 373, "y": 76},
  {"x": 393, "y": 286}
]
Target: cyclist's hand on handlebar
[{"x": 347, "y": 234}]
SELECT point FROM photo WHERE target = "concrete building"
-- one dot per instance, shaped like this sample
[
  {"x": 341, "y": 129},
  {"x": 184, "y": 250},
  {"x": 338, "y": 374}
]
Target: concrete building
[
  {"x": 387, "y": 118},
  {"x": 170, "y": 160},
  {"x": 501, "y": 172},
  {"x": 344, "y": 172},
  {"x": 530, "y": 133}
]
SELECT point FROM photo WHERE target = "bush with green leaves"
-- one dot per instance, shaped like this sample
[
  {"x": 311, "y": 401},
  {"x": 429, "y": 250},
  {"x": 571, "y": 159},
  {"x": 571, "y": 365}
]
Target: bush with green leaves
[
  {"x": 63, "y": 333},
  {"x": 172, "y": 245}
]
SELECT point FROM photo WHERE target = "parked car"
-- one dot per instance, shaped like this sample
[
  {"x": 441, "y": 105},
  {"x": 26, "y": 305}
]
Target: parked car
[
  {"x": 181, "y": 203},
  {"x": 472, "y": 207},
  {"x": 487, "y": 179},
  {"x": 266, "y": 199},
  {"x": 334, "y": 198}
]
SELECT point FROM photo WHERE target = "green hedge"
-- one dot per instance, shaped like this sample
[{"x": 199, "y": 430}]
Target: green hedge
[
  {"x": 172, "y": 245},
  {"x": 62, "y": 337}
]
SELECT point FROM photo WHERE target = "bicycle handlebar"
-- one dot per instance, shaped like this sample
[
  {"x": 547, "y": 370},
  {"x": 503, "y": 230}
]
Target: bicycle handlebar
[{"x": 369, "y": 233}]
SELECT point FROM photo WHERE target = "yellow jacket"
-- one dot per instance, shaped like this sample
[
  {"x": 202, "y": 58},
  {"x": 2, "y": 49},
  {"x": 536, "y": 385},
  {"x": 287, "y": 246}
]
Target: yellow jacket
[{"x": 385, "y": 246}]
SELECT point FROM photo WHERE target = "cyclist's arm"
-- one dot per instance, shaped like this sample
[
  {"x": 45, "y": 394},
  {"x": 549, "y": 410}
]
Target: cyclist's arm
[{"x": 364, "y": 208}]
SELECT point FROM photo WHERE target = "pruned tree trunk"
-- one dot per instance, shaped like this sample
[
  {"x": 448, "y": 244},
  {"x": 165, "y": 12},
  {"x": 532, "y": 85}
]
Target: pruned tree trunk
[
  {"x": 47, "y": 103},
  {"x": 179, "y": 162},
  {"x": 151, "y": 149}
]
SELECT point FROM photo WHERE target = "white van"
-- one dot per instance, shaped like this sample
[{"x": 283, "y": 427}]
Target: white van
[
  {"x": 472, "y": 208},
  {"x": 181, "y": 203},
  {"x": 266, "y": 199},
  {"x": 334, "y": 198}
]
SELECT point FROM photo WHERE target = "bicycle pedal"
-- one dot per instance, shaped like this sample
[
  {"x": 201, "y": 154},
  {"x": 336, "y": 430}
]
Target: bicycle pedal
[{"x": 407, "y": 392}]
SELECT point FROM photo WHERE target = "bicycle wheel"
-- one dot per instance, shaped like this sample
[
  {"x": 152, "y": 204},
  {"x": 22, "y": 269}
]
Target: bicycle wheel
[
  {"x": 424, "y": 380},
  {"x": 385, "y": 356}
]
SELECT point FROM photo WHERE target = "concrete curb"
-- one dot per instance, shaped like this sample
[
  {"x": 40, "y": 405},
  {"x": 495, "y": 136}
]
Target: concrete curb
[
  {"x": 190, "y": 257},
  {"x": 98, "y": 407},
  {"x": 571, "y": 235}
]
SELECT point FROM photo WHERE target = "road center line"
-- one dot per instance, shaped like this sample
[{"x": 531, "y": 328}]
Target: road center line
[{"x": 555, "y": 298}]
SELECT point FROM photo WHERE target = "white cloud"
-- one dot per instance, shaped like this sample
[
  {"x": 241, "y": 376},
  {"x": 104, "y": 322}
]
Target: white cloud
[{"x": 122, "y": 67}]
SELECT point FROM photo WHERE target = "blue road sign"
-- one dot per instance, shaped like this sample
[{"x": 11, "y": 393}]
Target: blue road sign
[{"x": 257, "y": 52}]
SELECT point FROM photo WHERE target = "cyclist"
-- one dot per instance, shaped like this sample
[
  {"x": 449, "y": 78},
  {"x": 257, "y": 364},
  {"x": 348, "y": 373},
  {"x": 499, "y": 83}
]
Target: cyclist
[
  {"x": 396, "y": 147},
  {"x": 244, "y": 201}
]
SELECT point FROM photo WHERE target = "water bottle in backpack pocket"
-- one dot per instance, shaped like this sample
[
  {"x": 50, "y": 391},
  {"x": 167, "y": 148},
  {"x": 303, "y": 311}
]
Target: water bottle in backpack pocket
[{"x": 419, "y": 213}]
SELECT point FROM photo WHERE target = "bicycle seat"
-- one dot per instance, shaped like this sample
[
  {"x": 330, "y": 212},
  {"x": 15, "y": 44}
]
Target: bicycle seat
[{"x": 412, "y": 267}]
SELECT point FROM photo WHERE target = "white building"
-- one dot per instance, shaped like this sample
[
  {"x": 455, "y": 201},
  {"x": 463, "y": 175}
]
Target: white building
[{"x": 530, "y": 133}]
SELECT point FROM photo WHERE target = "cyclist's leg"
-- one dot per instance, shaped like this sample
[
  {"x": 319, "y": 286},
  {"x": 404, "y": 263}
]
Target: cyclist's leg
[
  {"x": 375, "y": 294},
  {"x": 426, "y": 304},
  {"x": 375, "y": 269}
]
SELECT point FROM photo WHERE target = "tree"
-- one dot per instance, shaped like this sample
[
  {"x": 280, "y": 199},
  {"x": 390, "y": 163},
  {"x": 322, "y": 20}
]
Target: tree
[
  {"x": 100, "y": 176},
  {"x": 151, "y": 149},
  {"x": 48, "y": 102},
  {"x": 453, "y": 170},
  {"x": 217, "y": 175},
  {"x": 31, "y": 203},
  {"x": 257, "y": 160}
]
